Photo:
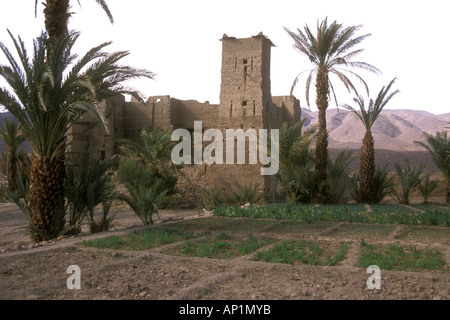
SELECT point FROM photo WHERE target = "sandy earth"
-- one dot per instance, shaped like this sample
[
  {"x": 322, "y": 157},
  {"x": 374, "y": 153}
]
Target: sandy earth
[{"x": 39, "y": 272}]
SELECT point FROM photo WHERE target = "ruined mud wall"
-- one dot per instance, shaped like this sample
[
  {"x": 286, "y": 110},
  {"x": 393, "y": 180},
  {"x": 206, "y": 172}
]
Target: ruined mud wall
[
  {"x": 87, "y": 136},
  {"x": 285, "y": 108},
  {"x": 185, "y": 112}
]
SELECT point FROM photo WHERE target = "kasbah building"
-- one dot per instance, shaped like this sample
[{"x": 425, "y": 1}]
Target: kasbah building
[{"x": 245, "y": 103}]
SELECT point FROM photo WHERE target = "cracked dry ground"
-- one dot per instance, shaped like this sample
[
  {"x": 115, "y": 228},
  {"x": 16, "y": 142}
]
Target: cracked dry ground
[{"x": 28, "y": 272}]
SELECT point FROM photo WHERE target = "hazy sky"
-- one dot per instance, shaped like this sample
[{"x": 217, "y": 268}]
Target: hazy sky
[{"x": 179, "y": 41}]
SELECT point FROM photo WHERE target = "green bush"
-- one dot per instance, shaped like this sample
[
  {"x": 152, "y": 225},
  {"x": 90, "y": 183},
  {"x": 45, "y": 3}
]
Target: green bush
[
  {"x": 409, "y": 180},
  {"x": 247, "y": 194},
  {"x": 146, "y": 192},
  {"x": 384, "y": 185},
  {"x": 212, "y": 198},
  {"x": 86, "y": 187},
  {"x": 427, "y": 188}
]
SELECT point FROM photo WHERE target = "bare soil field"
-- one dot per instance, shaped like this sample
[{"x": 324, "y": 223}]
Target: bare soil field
[{"x": 39, "y": 272}]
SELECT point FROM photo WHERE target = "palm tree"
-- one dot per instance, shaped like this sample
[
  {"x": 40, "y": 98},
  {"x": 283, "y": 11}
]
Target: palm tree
[
  {"x": 14, "y": 162},
  {"x": 295, "y": 161},
  {"x": 439, "y": 147},
  {"x": 57, "y": 15},
  {"x": 367, "y": 192},
  {"x": 148, "y": 173},
  {"x": 329, "y": 52},
  {"x": 46, "y": 96},
  {"x": 153, "y": 153}
]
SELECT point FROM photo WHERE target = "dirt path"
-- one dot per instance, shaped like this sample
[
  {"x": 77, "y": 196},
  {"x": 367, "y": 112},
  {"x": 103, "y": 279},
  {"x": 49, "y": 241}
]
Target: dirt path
[{"x": 29, "y": 272}]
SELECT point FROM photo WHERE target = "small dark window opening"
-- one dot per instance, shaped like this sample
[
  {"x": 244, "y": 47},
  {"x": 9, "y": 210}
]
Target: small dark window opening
[
  {"x": 245, "y": 61},
  {"x": 244, "y": 103},
  {"x": 102, "y": 155}
]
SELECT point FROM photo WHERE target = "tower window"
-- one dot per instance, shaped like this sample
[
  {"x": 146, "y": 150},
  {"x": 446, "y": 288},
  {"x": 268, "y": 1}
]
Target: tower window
[
  {"x": 244, "y": 61},
  {"x": 244, "y": 103}
]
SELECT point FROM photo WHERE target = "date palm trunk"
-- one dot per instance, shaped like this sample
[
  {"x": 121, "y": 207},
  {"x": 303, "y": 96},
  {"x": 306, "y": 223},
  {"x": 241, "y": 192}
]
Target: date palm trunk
[
  {"x": 56, "y": 14},
  {"x": 321, "y": 153},
  {"x": 366, "y": 191},
  {"x": 46, "y": 197}
]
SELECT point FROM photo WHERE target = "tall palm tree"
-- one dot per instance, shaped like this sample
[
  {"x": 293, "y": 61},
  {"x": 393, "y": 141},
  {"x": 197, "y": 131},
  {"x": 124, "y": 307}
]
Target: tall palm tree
[
  {"x": 14, "y": 162},
  {"x": 438, "y": 146},
  {"x": 366, "y": 191},
  {"x": 57, "y": 15},
  {"x": 46, "y": 96},
  {"x": 330, "y": 52}
]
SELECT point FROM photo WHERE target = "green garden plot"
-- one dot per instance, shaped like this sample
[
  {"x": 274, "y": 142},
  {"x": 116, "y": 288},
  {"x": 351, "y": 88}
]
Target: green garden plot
[
  {"x": 305, "y": 251},
  {"x": 247, "y": 225},
  {"x": 201, "y": 224},
  {"x": 359, "y": 231},
  {"x": 407, "y": 258},
  {"x": 224, "y": 246},
  {"x": 442, "y": 208},
  {"x": 301, "y": 227},
  {"x": 427, "y": 234},
  {"x": 144, "y": 240}
]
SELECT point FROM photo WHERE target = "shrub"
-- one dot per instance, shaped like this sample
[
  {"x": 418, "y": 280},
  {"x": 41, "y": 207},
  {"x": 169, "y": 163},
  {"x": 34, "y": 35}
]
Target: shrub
[
  {"x": 247, "y": 194},
  {"x": 409, "y": 180},
  {"x": 146, "y": 192},
  {"x": 427, "y": 188},
  {"x": 384, "y": 185},
  {"x": 153, "y": 152},
  {"x": 212, "y": 198},
  {"x": 338, "y": 172},
  {"x": 86, "y": 187},
  {"x": 295, "y": 163}
]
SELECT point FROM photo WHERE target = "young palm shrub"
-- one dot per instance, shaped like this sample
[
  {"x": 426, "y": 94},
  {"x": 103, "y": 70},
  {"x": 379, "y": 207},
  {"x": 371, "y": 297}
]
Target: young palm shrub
[
  {"x": 427, "y": 187},
  {"x": 14, "y": 162},
  {"x": 384, "y": 185},
  {"x": 148, "y": 173},
  {"x": 88, "y": 186},
  {"x": 438, "y": 146},
  {"x": 338, "y": 172},
  {"x": 212, "y": 198},
  {"x": 46, "y": 96},
  {"x": 106, "y": 220},
  {"x": 367, "y": 191},
  {"x": 296, "y": 162},
  {"x": 146, "y": 192},
  {"x": 247, "y": 193},
  {"x": 153, "y": 152},
  {"x": 330, "y": 51},
  {"x": 409, "y": 180}
]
